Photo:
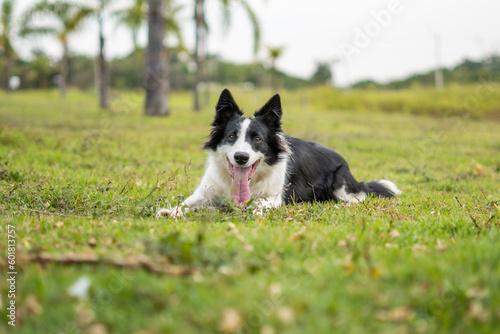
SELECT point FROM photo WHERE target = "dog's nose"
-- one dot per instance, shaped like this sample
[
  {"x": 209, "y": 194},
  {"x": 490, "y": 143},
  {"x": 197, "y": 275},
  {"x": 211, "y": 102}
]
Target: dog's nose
[{"x": 241, "y": 158}]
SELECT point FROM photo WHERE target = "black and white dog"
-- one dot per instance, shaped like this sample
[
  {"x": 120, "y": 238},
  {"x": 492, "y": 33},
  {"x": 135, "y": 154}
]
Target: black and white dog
[{"x": 251, "y": 158}]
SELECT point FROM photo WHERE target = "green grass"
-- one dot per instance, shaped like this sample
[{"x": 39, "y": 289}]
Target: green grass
[{"x": 78, "y": 183}]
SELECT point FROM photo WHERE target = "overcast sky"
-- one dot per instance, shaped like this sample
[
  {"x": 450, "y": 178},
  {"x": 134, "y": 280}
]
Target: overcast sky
[{"x": 368, "y": 39}]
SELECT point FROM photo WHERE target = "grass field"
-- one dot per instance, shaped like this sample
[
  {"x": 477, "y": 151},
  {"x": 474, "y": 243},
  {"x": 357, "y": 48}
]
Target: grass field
[{"x": 80, "y": 187}]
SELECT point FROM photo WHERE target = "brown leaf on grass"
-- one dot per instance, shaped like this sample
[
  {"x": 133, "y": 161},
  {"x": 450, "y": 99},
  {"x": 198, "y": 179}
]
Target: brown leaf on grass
[
  {"x": 267, "y": 329},
  {"x": 97, "y": 328},
  {"x": 352, "y": 237},
  {"x": 32, "y": 305},
  {"x": 401, "y": 313},
  {"x": 440, "y": 246},
  {"x": 299, "y": 235},
  {"x": 92, "y": 242},
  {"x": 226, "y": 270},
  {"x": 342, "y": 243},
  {"x": 231, "y": 321},
  {"x": 285, "y": 314},
  {"x": 58, "y": 225},
  {"x": 85, "y": 315},
  {"x": 394, "y": 234},
  {"x": 478, "y": 312},
  {"x": 476, "y": 293},
  {"x": 348, "y": 265},
  {"x": 419, "y": 247},
  {"x": 274, "y": 290}
]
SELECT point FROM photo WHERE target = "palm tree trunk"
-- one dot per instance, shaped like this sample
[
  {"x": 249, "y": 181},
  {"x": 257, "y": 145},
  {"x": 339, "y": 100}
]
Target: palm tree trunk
[
  {"x": 64, "y": 70},
  {"x": 8, "y": 70},
  {"x": 103, "y": 66},
  {"x": 199, "y": 54},
  {"x": 156, "y": 77}
]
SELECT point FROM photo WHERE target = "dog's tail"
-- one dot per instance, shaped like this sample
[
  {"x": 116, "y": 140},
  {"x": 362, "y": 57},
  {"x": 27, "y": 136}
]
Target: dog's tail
[{"x": 383, "y": 188}]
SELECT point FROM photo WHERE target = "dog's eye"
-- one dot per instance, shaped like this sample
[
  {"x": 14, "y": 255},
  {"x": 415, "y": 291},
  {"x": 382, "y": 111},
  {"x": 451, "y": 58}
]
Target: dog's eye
[
  {"x": 231, "y": 137},
  {"x": 257, "y": 139}
]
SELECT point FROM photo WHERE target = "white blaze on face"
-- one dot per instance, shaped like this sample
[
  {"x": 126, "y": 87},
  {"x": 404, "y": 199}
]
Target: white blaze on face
[
  {"x": 241, "y": 175},
  {"x": 242, "y": 145}
]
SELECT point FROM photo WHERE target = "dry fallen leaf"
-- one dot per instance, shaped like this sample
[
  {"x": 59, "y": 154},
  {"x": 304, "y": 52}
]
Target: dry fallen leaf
[
  {"x": 225, "y": 270},
  {"x": 32, "y": 305},
  {"x": 274, "y": 290},
  {"x": 97, "y": 328},
  {"x": 352, "y": 237},
  {"x": 440, "y": 246},
  {"x": 299, "y": 235},
  {"x": 267, "y": 329},
  {"x": 401, "y": 313},
  {"x": 394, "y": 234},
  {"x": 348, "y": 265},
  {"x": 85, "y": 314},
  {"x": 476, "y": 293},
  {"x": 58, "y": 224},
  {"x": 285, "y": 314},
  {"x": 231, "y": 321},
  {"x": 92, "y": 242},
  {"x": 477, "y": 312},
  {"x": 419, "y": 247}
]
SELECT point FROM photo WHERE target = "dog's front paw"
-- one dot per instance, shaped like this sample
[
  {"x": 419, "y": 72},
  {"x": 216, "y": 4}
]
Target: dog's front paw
[{"x": 174, "y": 212}]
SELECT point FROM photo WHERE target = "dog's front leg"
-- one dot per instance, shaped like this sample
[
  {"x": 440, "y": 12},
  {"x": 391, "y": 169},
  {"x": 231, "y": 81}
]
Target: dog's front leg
[{"x": 204, "y": 196}]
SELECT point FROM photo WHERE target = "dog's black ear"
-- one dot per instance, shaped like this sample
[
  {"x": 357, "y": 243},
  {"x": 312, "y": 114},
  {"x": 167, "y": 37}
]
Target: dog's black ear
[
  {"x": 271, "y": 113},
  {"x": 226, "y": 108}
]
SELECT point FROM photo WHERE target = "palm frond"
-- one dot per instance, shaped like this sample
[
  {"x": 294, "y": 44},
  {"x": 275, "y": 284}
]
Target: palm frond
[
  {"x": 226, "y": 14},
  {"x": 255, "y": 24},
  {"x": 172, "y": 24},
  {"x": 75, "y": 21},
  {"x": 29, "y": 30}
]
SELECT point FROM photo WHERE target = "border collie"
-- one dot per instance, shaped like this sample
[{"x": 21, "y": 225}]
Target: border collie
[{"x": 251, "y": 158}]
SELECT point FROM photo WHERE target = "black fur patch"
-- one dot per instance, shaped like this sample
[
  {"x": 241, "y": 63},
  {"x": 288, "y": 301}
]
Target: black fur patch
[{"x": 226, "y": 110}]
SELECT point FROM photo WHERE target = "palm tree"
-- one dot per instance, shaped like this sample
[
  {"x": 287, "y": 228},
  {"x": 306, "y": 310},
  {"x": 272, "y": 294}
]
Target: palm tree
[
  {"x": 68, "y": 17},
  {"x": 5, "y": 43},
  {"x": 103, "y": 66},
  {"x": 156, "y": 79},
  {"x": 40, "y": 68},
  {"x": 274, "y": 54},
  {"x": 133, "y": 18},
  {"x": 201, "y": 37}
]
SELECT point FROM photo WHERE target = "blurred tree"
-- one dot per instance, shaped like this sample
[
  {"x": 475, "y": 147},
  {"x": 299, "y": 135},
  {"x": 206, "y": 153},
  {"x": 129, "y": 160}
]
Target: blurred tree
[
  {"x": 68, "y": 16},
  {"x": 40, "y": 69},
  {"x": 274, "y": 54},
  {"x": 322, "y": 75},
  {"x": 156, "y": 72},
  {"x": 5, "y": 39},
  {"x": 201, "y": 38},
  {"x": 133, "y": 18},
  {"x": 103, "y": 80}
]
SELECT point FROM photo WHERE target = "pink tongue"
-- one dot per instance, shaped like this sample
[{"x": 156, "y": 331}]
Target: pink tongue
[{"x": 240, "y": 190}]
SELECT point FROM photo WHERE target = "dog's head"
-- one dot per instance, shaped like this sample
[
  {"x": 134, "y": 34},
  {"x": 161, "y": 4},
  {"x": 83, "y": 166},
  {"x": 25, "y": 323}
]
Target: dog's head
[{"x": 244, "y": 142}]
